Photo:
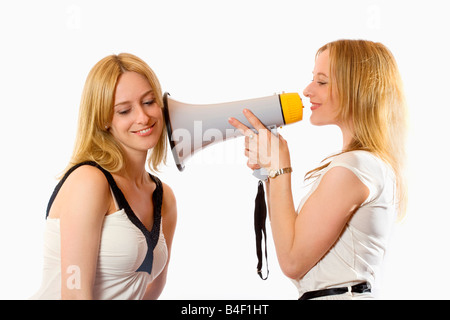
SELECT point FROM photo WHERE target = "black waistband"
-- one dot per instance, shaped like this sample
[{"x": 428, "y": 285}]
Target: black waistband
[{"x": 358, "y": 288}]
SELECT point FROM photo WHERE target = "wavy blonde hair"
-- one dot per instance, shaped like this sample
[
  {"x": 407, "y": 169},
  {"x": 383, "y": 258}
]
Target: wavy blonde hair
[
  {"x": 370, "y": 90},
  {"x": 93, "y": 141}
]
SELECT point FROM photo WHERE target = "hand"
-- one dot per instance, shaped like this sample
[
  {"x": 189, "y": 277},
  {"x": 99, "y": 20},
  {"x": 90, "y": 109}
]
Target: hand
[{"x": 263, "y": 149}]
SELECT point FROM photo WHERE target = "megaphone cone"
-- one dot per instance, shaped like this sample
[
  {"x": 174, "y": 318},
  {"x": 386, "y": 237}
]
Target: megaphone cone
[{"x": 192, "y": 127}]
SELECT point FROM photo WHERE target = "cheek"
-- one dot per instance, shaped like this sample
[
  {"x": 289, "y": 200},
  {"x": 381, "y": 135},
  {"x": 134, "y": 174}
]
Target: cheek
[
  {"x": 119, "y": 126},
  {"x": 334, "y": 100},
  {"x": 159, "y": 127},
  {"x": 331, "y": 107},
  {"x": 158, "y": 113}
]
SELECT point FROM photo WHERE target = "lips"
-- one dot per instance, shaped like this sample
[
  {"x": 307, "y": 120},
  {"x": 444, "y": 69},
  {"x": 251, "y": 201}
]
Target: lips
[
  {"x": 314, "y": 106},
  {"x": 145, "y": 131}
]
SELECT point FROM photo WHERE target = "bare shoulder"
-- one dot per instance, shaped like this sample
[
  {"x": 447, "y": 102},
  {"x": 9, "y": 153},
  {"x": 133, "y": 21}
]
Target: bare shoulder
[
  {"x": 169, "y": 205},
  {"x": 87, "y": 178},
  {"x": 168, "y": 193},
  {"x": 169, "y": 213},
  {"x": 169, "y": 200},
  {"x": 86, "y": 189}
]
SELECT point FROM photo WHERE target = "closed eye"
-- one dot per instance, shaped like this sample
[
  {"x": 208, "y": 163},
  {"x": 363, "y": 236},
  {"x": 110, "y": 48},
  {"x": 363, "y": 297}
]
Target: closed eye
[
  {"x": 122, "y": 112},
  {"x": 149, "y": 102},
  {"x": 322, "y": 83}
]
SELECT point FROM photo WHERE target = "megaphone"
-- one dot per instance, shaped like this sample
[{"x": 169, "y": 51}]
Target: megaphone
[{"x": 192, "y": 127}]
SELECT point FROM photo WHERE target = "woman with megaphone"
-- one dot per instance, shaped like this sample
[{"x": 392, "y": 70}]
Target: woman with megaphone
[
  {"x": 332, "y": 246},
  {"x": 110, "y": 223}
]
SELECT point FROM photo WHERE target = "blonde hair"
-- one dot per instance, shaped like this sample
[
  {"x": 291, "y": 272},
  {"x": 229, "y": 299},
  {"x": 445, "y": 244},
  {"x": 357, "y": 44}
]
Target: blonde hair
[
  {"x": 370, "y": 90},
  {"x": 94, "y": 142}
]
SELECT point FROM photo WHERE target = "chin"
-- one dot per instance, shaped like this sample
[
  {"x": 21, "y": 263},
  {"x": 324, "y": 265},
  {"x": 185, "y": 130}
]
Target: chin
[
  {"x": 150, "y": 145},
  {"x": 316, "y": 121}
]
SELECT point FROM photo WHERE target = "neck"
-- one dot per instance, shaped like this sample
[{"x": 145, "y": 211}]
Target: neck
[
  {"x": 347, "y": 136},
  {"x": 134, "y": 169}
]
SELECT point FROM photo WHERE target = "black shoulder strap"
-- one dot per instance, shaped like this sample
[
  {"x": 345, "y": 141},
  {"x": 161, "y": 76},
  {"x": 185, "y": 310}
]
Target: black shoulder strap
[
  {"x": 157, "y": 195},
  {"x": 67, "y": 174}
]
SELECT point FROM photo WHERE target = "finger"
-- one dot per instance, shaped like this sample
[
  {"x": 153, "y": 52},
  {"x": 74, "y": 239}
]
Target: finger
[
  {"x": 254, "y": 121},
  {"x": 252, "y": 158},
  {"x": 251, "y": 140},
  {"x": 253, "y": 166},
  {"x": 240, "y": 126}
]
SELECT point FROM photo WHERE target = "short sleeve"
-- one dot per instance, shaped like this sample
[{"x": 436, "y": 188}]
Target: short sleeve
[{"x": 367, "y": 168}]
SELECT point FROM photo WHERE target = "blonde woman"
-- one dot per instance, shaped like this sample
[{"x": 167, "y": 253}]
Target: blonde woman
[
  {"x": 110, "y": 223},
  {"x": 333, "y": 245}
]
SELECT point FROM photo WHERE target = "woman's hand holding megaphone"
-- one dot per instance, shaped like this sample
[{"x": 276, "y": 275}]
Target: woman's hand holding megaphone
[{"x": 262, "y": 148}]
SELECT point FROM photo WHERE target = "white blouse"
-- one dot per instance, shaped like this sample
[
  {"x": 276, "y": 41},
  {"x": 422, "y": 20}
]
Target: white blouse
[{"x": 358, "y": 254}]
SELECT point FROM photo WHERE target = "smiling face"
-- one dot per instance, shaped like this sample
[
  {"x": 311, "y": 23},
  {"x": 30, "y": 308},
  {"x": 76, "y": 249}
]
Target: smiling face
[
  {"x": 324, "y": 102},
  {"x": 137, "y": 121}
]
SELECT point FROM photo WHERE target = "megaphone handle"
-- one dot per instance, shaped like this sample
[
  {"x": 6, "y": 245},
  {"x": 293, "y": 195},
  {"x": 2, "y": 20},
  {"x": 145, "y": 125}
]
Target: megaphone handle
[{"x": 262, "y": 173}]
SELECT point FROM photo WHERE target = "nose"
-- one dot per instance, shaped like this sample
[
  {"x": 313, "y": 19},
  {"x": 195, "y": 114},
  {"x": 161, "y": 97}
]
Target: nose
[
  {"x": 307, "y": 91},
  {"x": 141, "y": 117}
]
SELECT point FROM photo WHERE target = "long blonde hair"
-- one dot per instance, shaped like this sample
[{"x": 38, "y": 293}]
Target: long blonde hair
[
  {"x": 93, "y": 141},
  {"x": 370, "y": 90}
]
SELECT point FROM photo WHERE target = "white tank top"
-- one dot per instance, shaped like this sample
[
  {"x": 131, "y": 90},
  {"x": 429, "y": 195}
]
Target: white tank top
[{"x": 130, "y": 256}]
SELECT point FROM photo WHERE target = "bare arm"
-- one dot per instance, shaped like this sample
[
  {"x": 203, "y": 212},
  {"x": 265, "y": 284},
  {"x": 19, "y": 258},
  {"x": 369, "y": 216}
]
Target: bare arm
[
  {"x": 81, "y": 205},
  {"x": 302, "y": 239},
  {"x": 169, "y": 221}
]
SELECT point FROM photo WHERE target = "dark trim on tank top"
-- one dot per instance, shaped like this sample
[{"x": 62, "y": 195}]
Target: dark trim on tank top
[{"x": 151, "y": 236}]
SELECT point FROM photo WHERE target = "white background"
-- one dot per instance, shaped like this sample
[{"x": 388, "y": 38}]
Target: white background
[{"x": 209, "y": 52}]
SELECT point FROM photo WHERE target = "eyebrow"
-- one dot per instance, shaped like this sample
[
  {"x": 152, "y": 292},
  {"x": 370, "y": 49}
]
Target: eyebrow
[
  {"x": 320, "y": 74},
  {"x": 125, "y": 102}
]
